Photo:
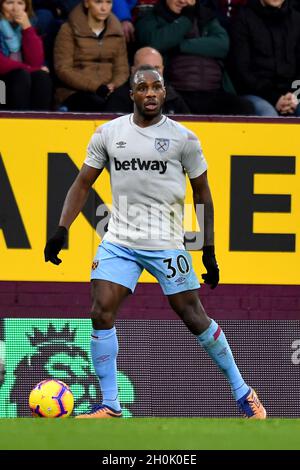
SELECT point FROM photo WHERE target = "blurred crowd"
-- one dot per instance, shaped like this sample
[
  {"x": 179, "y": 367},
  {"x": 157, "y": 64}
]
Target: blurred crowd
[{"x": 218, "y": 57}]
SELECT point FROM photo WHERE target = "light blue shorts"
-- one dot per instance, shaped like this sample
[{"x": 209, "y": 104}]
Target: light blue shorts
[{"x": 172, "y": 268}]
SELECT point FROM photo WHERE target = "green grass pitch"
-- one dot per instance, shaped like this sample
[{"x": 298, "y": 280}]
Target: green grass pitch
[{"x": 148, "y": 434}]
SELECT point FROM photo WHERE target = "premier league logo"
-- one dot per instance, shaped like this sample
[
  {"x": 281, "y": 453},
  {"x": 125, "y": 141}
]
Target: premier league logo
[{"x": 162, "y": 145}]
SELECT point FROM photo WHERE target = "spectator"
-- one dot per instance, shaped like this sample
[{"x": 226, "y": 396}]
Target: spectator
[
  {"x": 90, "y": 57},
  {"x": 120, "y": 101},
  {"x": 194, "y": 45},
  {"x": 122, "y": 10},
  {"x": 50, "y": 5},
  {"x": 48, "y": 19},
  {"x": 143, "y": 7},
  {"x": 265, "y": 56},
  {"x": 27, "y": 80},
  {"x": 225, "y": 10}
]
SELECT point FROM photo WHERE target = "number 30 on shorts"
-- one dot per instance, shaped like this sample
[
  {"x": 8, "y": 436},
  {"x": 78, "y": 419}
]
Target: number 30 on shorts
[{"x": 180, "y": 263}]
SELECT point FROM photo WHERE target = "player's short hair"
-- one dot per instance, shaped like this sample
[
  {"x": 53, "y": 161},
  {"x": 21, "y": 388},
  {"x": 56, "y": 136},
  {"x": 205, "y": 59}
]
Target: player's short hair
[{"x": 142, "y": 68}]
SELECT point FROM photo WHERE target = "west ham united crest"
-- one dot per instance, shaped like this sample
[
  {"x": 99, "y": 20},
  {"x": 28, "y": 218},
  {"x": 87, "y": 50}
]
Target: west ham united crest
[{"x": 162, "y": 145}]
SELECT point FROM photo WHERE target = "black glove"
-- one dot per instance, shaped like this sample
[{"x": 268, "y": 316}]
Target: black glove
[
  {"x": 103, "y": 91},
  {"x": 55, "y": 244},
  {"x": 210, "y": 263}
]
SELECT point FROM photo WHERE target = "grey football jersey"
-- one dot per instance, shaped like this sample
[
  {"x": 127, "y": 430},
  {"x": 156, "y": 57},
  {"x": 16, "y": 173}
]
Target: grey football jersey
[{"x": 147, "y": 173}]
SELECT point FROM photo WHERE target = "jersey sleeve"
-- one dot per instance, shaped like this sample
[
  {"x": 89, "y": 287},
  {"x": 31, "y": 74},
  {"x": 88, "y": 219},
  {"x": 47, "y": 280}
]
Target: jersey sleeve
[
  {"x": 193, "y": 159},
  {"x": 97, "y": 156}
]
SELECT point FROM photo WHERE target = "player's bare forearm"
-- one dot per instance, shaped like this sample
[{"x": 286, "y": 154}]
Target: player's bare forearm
[
  {"x": 78, "y": 194},
  {"x": 202, "y": 195},
  {"x": 74, "y": 202}
]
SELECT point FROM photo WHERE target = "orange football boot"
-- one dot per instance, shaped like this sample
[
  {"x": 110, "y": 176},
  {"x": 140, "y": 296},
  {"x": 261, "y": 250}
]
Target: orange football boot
[
  {"x": 101, "y": 411},
  {"x": 251, "y": 406}
]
